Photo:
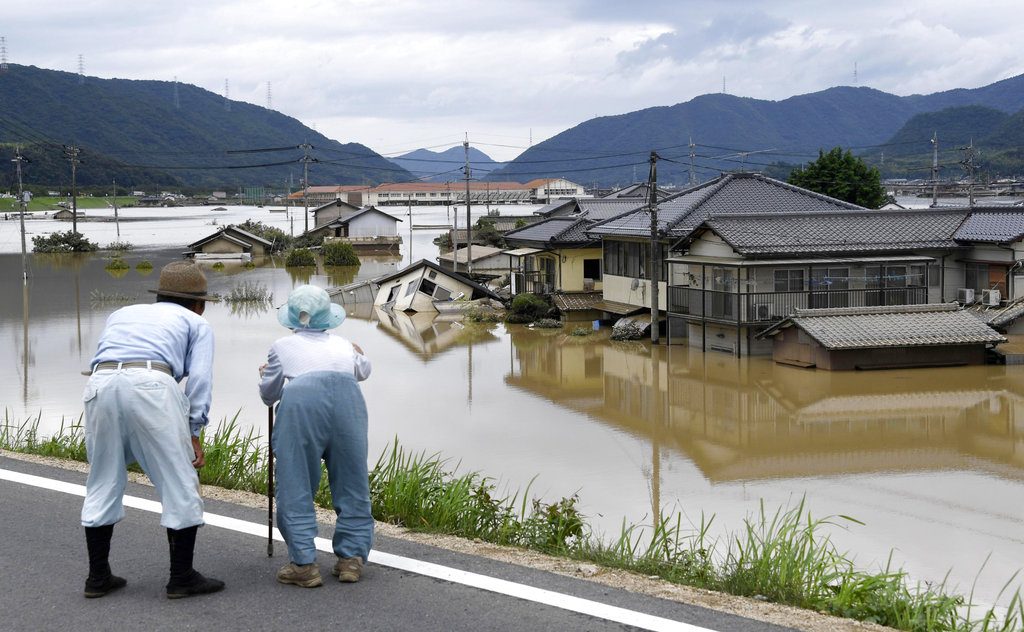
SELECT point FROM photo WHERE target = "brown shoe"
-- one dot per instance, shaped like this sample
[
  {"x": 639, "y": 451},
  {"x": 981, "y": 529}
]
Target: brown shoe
[
  {"x": 348, "y": 569},
  {"x": 305, "y": 575}
]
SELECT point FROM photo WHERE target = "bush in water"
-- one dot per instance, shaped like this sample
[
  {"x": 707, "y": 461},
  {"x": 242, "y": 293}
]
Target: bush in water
[
  {"x": 339, "y": 253},
  {"x": 300, "y": 257},
  {"x": 69, "y": 241}
]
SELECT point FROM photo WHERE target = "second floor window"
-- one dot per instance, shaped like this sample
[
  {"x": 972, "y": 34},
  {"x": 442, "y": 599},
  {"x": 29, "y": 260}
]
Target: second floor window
[{"x": 789, "y": 280}]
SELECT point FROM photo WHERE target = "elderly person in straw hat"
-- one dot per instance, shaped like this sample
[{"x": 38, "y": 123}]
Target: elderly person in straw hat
[
  {"x": 321, "y": 414},
  {"x": 135, "y": 412}
]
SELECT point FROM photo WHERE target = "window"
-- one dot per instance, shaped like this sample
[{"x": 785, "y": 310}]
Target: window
[
  {"x": 393, "y": 294},
  {"x": 592, "y": 269},
  {"x": 411, "y": 288},
  {"x": 976, "y": 276},
  {"x": 789, "y": 280},
  {"x": 427, "y": 287},
  {"x": 432, "y": 274},
  {"x": 828, "y": 287},
  {"x": 934, "y": 275},
  {"x": 442, "y": 294}
]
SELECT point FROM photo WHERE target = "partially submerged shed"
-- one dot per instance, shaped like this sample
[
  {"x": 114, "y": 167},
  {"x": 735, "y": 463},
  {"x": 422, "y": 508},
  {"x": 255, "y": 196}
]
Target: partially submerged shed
[{"x": 892, "y": 336}]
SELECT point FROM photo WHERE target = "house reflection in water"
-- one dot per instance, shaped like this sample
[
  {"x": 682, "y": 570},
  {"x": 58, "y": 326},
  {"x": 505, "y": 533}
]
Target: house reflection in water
[
  {"x": 749, "y": 419},
  {"x": 426, "y": 334}
]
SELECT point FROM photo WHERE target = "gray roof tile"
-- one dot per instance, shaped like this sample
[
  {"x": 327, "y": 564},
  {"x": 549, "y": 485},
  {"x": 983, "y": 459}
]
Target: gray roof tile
[
  {"x": 891, "y": 326},
  {"x": 731, "y": 194},
  {"x": 1001, "y": 226},
  {"x": 838, "y": 233}
]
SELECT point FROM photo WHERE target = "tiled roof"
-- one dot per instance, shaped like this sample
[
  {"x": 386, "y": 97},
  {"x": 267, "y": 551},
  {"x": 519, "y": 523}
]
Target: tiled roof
[
  {"x": 576, "y": 301},
  {"x": 1000, "y": 317},
  {"x": 572, "y": 228},
  {"x": 1002, "y": 226},
  {"x": 544, "y": 231},
  {"x": 866, "y": 231},
  {"x": 479, "y": 252},
  {"x": 890, "y": 326},
  {"x": 731, "y": 194}
]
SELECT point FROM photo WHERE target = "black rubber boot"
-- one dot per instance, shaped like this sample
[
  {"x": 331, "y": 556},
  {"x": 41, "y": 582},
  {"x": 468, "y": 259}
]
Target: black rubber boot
[
  {"x": 100, "y": 581},
  {"x": 186, "y": 581}
]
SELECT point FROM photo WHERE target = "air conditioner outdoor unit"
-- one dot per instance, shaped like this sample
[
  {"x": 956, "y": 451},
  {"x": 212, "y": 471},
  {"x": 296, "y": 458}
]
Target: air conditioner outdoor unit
[
  {"x": 990, "y": 297},
  {"x": 761, "y": 311},
  {"x": 965, "y": 296}
]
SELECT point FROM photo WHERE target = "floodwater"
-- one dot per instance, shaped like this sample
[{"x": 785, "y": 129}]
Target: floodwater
[{"x": 931, "y": 460}]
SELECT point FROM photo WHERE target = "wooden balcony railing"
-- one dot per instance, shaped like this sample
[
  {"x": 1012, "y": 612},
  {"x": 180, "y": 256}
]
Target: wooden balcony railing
[{"x": 769, "y": 307}]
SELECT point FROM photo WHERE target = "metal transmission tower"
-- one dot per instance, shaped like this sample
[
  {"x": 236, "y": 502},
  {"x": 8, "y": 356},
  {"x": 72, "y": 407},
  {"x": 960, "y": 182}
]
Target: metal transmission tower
[
  {"x": 3, "y": 55},
  {"x": 968, "y": 164},
  {"x": 227, "y": 97},
  {"x": 935, "y": 169},
  {"x": 81, "y": 69},
  {"x": 71, "y": 153},
  {"x": 177, "y": 100},
  {"x": 269, "y": 103},
  {"x": 854, "y": 73}
]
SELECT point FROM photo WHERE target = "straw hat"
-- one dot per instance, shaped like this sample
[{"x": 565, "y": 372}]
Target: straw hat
[
  {"x": 184, "y": 279},
  {"x": 310, "y": 307}
]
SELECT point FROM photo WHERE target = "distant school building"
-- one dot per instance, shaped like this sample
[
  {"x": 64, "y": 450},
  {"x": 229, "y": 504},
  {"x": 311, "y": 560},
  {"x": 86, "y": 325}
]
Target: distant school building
[{"x": 421, "y": 193}]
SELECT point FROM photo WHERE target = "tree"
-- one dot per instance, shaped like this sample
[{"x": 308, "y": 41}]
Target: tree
[
  {"x": 339, "y": 253},
  {"x": 842, "y": 176}
]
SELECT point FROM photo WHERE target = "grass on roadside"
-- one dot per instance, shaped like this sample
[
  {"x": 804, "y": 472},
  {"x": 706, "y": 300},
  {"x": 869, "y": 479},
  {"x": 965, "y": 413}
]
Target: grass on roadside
[{"x": 785, "y": 556}]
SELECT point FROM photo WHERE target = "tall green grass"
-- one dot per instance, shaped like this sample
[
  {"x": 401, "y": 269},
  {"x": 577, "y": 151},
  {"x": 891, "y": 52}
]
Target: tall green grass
[{"x": 785, "y": 556}]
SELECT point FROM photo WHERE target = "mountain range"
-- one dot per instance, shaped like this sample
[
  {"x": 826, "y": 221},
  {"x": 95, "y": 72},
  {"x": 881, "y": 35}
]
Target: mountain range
[
  {"x": 734, "y": 133},
  {"x": 146, "y": 133},
  {"x": 168, "y": 134},
  {"x": 435, "y": 166}
]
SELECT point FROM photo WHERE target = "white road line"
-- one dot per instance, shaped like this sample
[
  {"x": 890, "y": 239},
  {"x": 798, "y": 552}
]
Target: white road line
[{"x": 475, "y": 580}]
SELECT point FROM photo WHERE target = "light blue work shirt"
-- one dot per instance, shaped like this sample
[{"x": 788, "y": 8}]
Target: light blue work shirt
[{"x": 171, "y": 334}]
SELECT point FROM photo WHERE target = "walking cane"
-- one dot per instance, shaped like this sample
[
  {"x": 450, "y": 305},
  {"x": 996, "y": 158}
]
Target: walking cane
[{"x": 270, "y": 481}]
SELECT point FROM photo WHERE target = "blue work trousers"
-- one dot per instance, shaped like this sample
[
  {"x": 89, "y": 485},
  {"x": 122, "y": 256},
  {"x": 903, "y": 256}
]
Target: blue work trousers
[
  {"x": 138, "y": 415},
  {"x": 322, "y": 416}
]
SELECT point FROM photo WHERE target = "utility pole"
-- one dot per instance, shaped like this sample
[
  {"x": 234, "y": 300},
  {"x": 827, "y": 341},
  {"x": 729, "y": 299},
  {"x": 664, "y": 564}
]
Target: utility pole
[
  {"x": 968, "y": 165},
  {"x": 410, "y": 227},
  {"x": 655, "y": 277},
  {"x": 692, "y": 154},
  {"x": 469, "y": 219},
  {"x": 935, "y": 169},
  {"x": 305, "y": 182},
  {"x": 18, "y": 159},
  {"x": 117, "y": 224},
  {"x": 71, "y": 153}
]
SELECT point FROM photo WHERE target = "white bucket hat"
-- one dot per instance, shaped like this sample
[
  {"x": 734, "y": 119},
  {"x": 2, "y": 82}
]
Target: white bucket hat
[{"x": 310, "y": 307}]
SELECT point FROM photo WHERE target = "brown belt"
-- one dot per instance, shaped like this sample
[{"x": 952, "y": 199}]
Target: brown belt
[{"x": 134, "y": 364}]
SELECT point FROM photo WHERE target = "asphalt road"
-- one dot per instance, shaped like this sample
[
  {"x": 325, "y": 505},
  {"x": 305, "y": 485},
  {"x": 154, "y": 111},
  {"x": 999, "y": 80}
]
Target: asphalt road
[{"x": 44, "y": 564}]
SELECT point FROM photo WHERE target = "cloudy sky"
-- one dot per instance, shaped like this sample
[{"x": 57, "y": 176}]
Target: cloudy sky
[{"x": 400, "y": 74}]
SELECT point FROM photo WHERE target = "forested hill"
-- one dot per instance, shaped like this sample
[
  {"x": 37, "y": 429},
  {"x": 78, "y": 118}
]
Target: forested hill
[
  {"x": 133, "y": 131},
  {"x": 441, "y": 166},
  {"x": 611, "y": 149}
]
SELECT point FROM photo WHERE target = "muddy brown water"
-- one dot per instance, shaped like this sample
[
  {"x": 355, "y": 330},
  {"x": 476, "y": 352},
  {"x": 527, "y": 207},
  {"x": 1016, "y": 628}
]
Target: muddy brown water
[{"x": 931, "y": 460}]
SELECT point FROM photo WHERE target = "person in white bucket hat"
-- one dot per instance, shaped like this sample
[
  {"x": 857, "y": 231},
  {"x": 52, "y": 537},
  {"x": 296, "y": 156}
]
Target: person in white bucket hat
[{"x": 321, "y": 414}]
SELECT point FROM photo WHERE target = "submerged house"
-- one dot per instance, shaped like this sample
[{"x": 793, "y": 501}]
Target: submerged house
[
  {"x": 565, "y": 258},
  {"x": 367, "y": 228},
  {"x": 230, "y": 242},
  {"x": 742, "y": 252},
  {"x": 844, "y": 338},
  {"x": 992, "y": 270},
  {"x": 417, "y": 287}
]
